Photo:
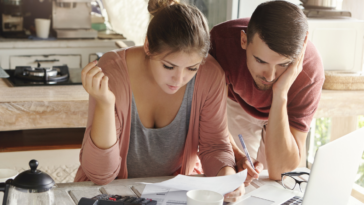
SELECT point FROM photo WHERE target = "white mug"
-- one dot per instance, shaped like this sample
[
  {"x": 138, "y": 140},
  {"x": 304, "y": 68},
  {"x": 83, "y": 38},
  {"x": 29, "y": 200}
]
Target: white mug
[
  {"x": 42, "y": 27},
  {"x": 6, "y": 174},
  {"x": 204, "y": 197}
]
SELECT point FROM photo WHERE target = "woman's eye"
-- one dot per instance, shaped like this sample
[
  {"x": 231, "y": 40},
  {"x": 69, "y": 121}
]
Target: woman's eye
[{"x": 167, "y": 67}]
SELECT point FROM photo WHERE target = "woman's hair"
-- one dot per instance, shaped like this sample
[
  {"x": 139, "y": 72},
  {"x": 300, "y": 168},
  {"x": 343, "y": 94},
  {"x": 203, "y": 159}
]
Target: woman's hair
[{"x": 177, "y": 27}]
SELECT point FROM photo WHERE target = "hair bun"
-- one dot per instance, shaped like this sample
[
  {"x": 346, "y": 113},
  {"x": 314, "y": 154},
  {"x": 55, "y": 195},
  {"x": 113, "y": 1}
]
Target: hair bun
[{"x": 154, "y": 6}]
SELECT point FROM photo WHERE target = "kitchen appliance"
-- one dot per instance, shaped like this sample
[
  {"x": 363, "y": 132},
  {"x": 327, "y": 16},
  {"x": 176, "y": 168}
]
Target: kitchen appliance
[
  {"x": 11, "y": 13},
  {"x": 40, "y": 76},
  {"x": 72, "y": 19},
  {"x": 36, "y": 9},
  {"x": 320, "y": 4},
  {"x": 31, "y": 187}
]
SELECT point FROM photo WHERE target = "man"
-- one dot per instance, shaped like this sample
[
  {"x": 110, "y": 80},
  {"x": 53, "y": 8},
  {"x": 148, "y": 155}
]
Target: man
[{"x": 274, "y": 77}]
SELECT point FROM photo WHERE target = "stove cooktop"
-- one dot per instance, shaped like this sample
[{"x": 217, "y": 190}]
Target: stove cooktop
[{"x": 74, "y": 78}]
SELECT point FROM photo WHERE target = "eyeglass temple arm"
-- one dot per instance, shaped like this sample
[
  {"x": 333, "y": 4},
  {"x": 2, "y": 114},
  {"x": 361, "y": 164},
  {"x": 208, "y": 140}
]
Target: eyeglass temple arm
[{"x": 295, "y": 173}]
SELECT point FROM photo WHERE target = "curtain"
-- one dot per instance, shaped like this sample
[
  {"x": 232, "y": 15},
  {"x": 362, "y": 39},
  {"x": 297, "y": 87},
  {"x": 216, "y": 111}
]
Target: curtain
[{"x": 129, "y": 17}]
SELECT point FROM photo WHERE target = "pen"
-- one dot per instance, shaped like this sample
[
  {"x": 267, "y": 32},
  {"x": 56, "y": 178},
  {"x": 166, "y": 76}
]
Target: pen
[
  {"x": 246, "y": 150},
  {"x": 136, "y": 192}
]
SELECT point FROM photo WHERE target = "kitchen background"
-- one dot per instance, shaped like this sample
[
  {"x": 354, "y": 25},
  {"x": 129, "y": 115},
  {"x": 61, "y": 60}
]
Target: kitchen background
[{"x": 47, "y": 122}]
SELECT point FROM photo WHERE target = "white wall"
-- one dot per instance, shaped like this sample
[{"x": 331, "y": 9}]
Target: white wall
[{"x": 247, "y": 7}]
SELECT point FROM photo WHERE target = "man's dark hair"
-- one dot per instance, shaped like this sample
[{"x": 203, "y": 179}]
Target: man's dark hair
[{"x": 281, "y": 25}]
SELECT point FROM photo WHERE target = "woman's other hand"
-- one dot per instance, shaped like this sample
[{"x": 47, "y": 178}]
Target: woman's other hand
[
  {"x": 96, "y": 83},
  {"x": 239, "y": 192}
]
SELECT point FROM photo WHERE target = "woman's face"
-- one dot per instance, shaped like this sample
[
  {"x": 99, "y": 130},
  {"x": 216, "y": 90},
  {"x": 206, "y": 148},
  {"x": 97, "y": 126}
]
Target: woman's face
[{"x": 173, "y": 71}]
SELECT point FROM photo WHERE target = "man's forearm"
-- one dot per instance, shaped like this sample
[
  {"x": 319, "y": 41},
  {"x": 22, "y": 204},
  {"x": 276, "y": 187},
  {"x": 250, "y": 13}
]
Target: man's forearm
[{"x": 281, "y": 148}]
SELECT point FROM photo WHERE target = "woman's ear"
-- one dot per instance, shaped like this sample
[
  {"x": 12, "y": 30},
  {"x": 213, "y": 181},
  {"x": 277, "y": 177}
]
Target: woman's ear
[
  {"x": 243, "y": 40},
  {"x": 146, "y": 47}
]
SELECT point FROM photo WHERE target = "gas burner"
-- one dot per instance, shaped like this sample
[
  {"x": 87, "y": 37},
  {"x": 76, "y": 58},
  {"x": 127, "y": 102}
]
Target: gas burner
[
  {"x": 28, "y": 76},
  {"x": 39, "y": 72},
  {"x": 37, "y": 75}
]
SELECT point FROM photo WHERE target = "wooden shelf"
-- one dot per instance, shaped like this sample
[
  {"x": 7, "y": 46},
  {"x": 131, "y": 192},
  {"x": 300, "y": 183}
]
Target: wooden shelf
[{"x": 44, "y": 139}]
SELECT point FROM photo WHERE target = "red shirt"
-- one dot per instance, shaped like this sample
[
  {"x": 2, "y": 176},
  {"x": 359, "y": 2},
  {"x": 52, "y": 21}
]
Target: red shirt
[{"x": 303, "y": 96}]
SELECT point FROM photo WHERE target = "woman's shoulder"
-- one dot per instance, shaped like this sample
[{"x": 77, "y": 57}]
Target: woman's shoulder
[
  {"x": 113, "y": 60},
  {"x": 210, "y": 70}
]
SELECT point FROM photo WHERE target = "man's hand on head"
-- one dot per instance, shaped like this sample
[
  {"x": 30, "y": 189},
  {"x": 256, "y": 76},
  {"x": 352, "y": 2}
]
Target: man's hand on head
[{"x": 286, "y": 80}]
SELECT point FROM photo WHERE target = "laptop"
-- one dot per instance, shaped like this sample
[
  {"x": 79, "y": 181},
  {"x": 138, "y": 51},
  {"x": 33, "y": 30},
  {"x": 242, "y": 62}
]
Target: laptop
[{"x": 331, "y": 178}]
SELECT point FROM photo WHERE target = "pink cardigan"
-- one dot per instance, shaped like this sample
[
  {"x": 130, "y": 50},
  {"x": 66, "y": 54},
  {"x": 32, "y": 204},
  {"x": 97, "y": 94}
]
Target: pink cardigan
[{"x": 207, "y": 136}]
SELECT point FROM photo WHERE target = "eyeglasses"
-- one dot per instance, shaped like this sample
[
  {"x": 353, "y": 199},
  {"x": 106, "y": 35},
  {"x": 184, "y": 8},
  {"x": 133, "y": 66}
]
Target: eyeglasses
[{"x": 289, "y": 180}]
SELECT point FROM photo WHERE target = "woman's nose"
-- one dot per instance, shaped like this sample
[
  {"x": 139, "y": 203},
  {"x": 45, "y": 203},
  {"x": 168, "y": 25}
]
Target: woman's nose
[{"x": 178, "y": 76}]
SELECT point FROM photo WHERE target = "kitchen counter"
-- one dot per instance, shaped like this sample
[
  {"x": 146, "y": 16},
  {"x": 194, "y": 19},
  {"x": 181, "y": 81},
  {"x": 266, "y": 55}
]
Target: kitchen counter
[
  {"x": 42, "y": 107},
  {"x": 340, "y": 103},
  {"x": 66, "y": 106}
]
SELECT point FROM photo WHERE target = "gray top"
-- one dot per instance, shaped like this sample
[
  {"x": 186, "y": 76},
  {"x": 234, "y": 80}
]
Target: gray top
[{"x": 158, "y": 152}]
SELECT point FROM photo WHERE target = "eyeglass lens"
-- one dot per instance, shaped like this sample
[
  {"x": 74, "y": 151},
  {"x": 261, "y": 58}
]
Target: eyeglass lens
[
  {"x": 288, "y": 182},
  {"x": 303, "y": 186}
]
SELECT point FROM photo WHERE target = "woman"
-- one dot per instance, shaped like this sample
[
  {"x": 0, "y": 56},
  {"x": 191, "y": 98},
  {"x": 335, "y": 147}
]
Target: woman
[{"x": 156, "y": 108}]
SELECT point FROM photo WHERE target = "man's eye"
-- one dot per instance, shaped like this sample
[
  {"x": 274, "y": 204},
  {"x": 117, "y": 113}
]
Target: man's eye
[
  {"x": 169, "y": 68},
  {"x": 285, "y": 65},
  {"x": 258, "y": 60}
]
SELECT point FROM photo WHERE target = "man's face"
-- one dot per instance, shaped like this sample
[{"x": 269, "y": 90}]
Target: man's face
[{"x": 264, "y": 64}]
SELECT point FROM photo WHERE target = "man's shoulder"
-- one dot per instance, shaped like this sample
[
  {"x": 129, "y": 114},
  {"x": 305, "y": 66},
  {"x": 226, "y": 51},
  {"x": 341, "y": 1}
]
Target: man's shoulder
[
  {"x": 211, "y": 69},
  {"x": 228, "y": 29},
  {"x": 313, "y": 68}
]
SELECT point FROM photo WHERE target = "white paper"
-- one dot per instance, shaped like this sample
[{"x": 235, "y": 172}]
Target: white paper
[
  {"x": 165, "y": 196},
  {"x": 257, "y": 201},
  {"x": 220, "y": 184}
]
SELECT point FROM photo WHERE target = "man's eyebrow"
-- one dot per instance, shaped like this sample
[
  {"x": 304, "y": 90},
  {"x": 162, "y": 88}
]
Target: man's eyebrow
[
  {"x": 177, "y": 65},
  {"x": 259, "y": 59},
  {"x": 288, "y": 62}
]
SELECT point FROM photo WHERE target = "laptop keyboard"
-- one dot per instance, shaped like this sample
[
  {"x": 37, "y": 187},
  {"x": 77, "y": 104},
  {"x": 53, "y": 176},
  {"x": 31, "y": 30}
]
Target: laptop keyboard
[{"x": 296, "y": 200}]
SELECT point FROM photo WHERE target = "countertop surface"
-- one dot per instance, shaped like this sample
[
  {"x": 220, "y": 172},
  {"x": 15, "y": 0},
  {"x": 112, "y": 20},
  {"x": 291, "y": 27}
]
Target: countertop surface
[
  {"x": 42, "y": 107},
  {"x": 349, "y": 102},
  {"x": 41, "y": 93}
]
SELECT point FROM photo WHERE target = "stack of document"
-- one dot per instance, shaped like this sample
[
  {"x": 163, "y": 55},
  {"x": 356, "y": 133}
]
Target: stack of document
[{"x": 174, "y": 191}]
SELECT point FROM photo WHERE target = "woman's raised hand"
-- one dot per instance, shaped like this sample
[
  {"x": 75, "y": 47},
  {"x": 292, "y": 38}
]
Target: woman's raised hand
[{"x": 96, "y": 83}]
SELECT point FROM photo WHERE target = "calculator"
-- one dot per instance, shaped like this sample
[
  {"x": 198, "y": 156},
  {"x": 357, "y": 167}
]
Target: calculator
[{"x": 108, "y": 199}]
